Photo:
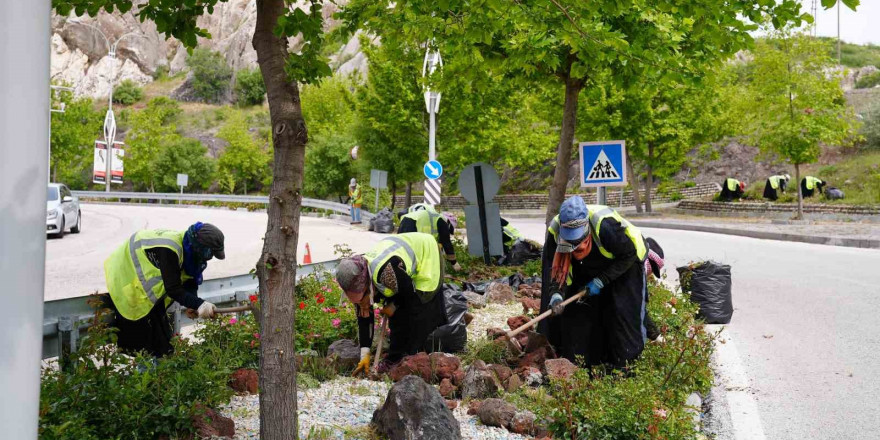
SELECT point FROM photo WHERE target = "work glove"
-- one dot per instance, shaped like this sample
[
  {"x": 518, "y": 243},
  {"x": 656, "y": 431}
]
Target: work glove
[
  {"x": 595, "y": 286},
  {"x": 556, "y": 304},
  {"x": 389, "y": 310},
  {"x": 364, "y": 365},
  {"x": 456, "y": 267},
  {"x": 207, "y": 310}
]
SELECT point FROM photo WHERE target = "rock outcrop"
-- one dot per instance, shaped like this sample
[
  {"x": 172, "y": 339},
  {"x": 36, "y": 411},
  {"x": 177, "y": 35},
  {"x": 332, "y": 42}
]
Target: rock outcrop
[{"x": 415, "y": 410}]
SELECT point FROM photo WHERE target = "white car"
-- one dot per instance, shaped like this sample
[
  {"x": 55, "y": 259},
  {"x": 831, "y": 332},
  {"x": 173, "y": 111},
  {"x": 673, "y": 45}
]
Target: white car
[{"x": 62, "y": 211}]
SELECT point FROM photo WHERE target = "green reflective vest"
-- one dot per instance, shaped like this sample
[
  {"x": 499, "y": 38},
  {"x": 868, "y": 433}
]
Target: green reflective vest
[
  {"x": 420, "y": 255},
  {"x": 732, "y": 184},
  {"x": 774, "y": 182},
  {"x": 812, "y": 181},
  {"x": 511, "y": 233},
  {"x": 135, "y": 284},
  {"x": 597, "y": 213},
  {"x": 421, "y": 207},
  {"x": 426, "y": 221},
  {"x": 356, "y": 197}
]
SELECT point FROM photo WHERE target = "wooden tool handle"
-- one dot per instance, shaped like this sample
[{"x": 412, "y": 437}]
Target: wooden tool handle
[
  {"x": 541, "y": 317},
  {"x": 381, "y": 340},
  {"x": 235, "y": 309}
]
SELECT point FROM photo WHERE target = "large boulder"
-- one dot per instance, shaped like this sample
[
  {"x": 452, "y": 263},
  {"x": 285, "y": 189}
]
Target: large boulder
[
  {"x": 479, "y": 382},
  {"x": 496, "y": 412},
  {"x": 415, "y": 410},
  {"x": 345, "y": 353},
  {"x": 245, "y": 380},
  {"x": 418, "y": 364}
]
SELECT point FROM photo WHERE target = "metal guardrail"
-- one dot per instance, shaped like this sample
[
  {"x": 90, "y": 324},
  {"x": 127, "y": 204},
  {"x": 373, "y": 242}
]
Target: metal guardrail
[
  {"x": 64, "y": 319},
  {"x": 311, "y": 203}
]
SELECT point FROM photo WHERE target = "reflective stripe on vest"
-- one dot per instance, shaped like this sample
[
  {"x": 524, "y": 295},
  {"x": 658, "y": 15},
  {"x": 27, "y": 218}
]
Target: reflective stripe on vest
[
  {"x": 135, "y": 283},
  {"x": 812, "y": 181},
  {"x": 732, "y": 184},
  {"x": 426, "y": 221},
  {"x": 512, "y": 232},
  {"x": 420, "y": 255},
  {"x": 597, "y": 213}
]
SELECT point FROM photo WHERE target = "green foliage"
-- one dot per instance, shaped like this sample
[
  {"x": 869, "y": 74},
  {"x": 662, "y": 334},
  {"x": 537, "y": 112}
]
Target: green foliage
[
  {"x": 321, "y": 315},
  {"x": 854, "y": 55},
  {"x": 232, "y": 341},
  {"x": 249, "y": 87},
  {"x": 868, "y": 81},
  {"x": 72, "y": 140},
  {"x": 186, "y": 156},
  {"x": 127, "y": 92},
  {"x": 152, "y": 130},
  {"x": 857, "y": 175},
  {"x": 329, "y": 111},
  {"x": 486, "y": 350},
  {"x": 243, "y": 162},
  {"x": 211, "y": 76},
  {"x": 871, "y": 128}
]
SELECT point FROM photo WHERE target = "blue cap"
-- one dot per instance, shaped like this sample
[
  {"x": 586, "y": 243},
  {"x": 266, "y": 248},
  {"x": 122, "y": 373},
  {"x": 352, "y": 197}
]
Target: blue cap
[{"x": 573, "y": 208}]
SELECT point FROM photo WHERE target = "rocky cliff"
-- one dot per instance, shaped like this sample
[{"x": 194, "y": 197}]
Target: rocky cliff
[{"x": 80, "y": 55}]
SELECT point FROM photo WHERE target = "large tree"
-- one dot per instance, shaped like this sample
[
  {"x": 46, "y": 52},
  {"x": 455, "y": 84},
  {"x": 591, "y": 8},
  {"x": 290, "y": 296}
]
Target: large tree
[
  {"x": 283, "y": 70},
  {"x": 801, "y": 106},
  {"x": 72, "y": 138},
  {"x": 569, "y": 43}
]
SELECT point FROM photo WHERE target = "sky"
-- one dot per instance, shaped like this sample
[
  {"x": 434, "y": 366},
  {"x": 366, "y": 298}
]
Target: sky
[{"x": 861, "y": 26}]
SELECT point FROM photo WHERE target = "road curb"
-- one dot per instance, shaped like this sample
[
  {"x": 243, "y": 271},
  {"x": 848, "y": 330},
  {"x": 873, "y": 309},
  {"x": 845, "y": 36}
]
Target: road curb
[{"x": 863, "y": 243}]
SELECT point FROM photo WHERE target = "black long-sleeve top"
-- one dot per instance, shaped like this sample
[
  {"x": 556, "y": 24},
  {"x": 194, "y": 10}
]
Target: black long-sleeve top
[
  {"x": 405, "y": 288},
  {"x": 595, "y": 265},
  {"x": 169, "y": 265},
  {"x": 444, "y": 235}
]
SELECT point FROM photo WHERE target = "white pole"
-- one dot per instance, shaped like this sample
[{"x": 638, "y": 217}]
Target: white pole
[
  {"x": 24, "y": 122},
  {"x": 432, "y": 149}
]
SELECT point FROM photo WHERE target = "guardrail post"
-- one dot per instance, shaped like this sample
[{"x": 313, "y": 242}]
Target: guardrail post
[
  {"x": 68, "y": 335},
  {"x": 175, "y": 318}
]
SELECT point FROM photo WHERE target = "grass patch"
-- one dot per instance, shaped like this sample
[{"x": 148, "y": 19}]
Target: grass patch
[
  {"x": 486, "y": 350},
  {"x": 858, "y": 176}
]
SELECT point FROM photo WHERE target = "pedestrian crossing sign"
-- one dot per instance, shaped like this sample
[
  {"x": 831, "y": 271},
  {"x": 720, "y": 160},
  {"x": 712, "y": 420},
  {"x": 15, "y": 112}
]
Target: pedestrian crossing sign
[{"x": 603, "y": 163}]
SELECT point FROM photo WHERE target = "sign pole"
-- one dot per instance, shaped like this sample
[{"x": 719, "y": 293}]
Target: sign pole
[
  {"x": 600, "y": 196},
  {"x": 484, "y": 230},
  {"x": 376, "y": 208}
]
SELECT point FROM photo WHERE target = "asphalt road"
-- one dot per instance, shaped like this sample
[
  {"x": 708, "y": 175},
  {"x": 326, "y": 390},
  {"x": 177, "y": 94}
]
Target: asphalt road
[
  {"x": 75, "y": 263},
  {"x": 805, "y": 323}
]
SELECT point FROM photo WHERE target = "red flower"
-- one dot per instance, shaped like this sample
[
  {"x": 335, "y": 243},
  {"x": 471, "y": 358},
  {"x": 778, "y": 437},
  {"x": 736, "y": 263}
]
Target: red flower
[
  {"x": 253, "y": 298},
  {"x": 302, "y": 305},
  {"x": 320, "y": 299},
  {"x": 333, "y": 310}
]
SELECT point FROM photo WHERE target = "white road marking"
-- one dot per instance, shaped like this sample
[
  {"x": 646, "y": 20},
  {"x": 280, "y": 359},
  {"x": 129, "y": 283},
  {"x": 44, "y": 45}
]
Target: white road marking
[{"x": 743, "y": 409}]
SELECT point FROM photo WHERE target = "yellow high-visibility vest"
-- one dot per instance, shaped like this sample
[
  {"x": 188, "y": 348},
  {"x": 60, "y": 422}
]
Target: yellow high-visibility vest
[
  {"x": 420, "y": 255},
  {"x": 426, "y": 221}
]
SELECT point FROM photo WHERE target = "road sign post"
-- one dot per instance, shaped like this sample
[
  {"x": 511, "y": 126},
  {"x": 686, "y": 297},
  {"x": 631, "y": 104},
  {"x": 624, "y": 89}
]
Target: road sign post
[
  {"x": 602, "y": 164},
  {"x": 378, "y": 180},
  {"x": 432, "y": 63},
  {"x": 182, "y": 181},
  {"x": 478, "y": 184},
  {"x": 433, "y": 170}
]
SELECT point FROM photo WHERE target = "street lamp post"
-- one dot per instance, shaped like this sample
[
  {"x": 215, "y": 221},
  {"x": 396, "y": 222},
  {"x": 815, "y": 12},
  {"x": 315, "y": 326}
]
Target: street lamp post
[
  {"x": 432, "y": 62},
  {"x": 109, "y": 118}
]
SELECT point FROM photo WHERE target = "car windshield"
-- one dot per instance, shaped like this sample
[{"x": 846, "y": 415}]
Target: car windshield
[{"x": 52, "y": 195}]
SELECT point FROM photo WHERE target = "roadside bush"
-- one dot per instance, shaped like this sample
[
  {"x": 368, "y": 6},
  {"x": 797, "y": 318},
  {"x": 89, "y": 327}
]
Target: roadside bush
[
  {"x": 871, "y": 128},
  {"x": 211, "y": 75},
  {"x": 249, "y": 87},
  {"x": 322, "y": 315},
  {"x": 127, "y": 92},
  {"x": 868, "y": 81}
]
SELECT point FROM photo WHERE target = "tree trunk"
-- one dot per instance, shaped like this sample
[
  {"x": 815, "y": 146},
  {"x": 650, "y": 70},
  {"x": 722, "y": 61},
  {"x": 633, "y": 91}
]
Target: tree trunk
[
  {"x": 649, "y": 179},
  {"x": 276, "y": 269},
  {"x": 407, "y": 199},
  {"x": 797, "y": 179},
  {"x": 393, "y": 193},
  {"x": 634, "y": 183},
  {"x": 563, "y": 149}
]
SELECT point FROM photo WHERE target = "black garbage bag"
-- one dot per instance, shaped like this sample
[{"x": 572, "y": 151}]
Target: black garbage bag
[
  {"x": 709, "y": 285},
  {"x": 520, "y": 252},
  {"x": 452, "y": 336},
  {"x": 833, "y": 193},
  {"x": 383, "y": 222}
]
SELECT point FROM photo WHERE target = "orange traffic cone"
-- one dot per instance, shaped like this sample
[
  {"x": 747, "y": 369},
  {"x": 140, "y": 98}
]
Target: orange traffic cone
[{"x": 308, "y": 258}]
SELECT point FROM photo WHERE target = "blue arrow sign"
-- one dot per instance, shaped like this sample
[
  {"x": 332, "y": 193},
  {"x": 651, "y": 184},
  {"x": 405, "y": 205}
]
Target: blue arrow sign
[
  {"x": 603, "y": 163},
  {"x": 433, "y": 169}
]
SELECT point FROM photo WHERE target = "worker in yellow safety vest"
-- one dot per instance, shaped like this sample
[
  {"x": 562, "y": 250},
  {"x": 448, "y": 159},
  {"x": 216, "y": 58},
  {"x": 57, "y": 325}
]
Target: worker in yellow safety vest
[
  {"x": 429, "y": 221},
  {"x": 594, "y": 248},
  {"x": 732, "y": 189},
  {"x": 810, "y": 184},
  {"x": 356, "y": 198},
  {"x": 775, "y": 184},
  {"x": 403, "y": 274},
  {"x": 148, "y": 272}
]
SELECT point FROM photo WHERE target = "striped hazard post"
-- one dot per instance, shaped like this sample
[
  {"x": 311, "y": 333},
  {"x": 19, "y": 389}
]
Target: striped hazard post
[{"x": 432, "y": 191}]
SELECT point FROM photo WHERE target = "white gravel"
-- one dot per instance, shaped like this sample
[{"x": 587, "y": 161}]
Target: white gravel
[{"x": 493, "y": 315}]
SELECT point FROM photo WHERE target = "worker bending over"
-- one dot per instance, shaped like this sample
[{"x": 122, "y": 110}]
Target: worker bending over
[
  {"x": 732, "y": 189},
  {"x": 594, "y": 248},
  {"x": 509, "y": 235},
  {"x": 810, "y": 184},
  {"x": 403, "y": 274},
  {"x": 774, "y": 185},
  {"x": 150, "y": 271},
  {"x": 429, "y": 221}
]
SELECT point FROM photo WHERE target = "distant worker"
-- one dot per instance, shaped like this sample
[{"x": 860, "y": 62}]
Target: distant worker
[
  {"x": 509, "y": 235},
  {"x": 149, "y": 271},
  {"x": 356, "y": 198},
  {"x": 403, "y": 274},
  {"x": 810, "y": 184},
  {"x": 732, "y": 189},
  {"x": 594, "y": 248},
  {"x": 775, "y": 184},
  {"x": 428, "y": 221}
]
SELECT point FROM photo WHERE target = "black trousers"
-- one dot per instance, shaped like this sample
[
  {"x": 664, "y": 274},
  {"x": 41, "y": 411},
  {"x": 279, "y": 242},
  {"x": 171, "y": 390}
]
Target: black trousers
[
  {"x": 412, "y": 323},
  {"x": 151, "y": 334},
  {"x": 608, "y": 328}
]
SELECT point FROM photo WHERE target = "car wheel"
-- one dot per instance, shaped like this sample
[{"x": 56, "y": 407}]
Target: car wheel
[
  {"x": 76, "y": 229},
  {"x": 60, "y": 233}
]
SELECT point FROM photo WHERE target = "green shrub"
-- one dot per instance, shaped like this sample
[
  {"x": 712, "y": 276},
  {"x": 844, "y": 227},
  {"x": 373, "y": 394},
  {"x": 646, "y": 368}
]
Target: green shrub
[
  {"x": 127, "y": 92},
  {"x": 486, "y": 350},
  {"x": 161, "y": 73},
  {"x": 211, "y": 75},
  {"x": 868, "y": 81},
  {"x": 690, "y": 184},
  {"x": 871, "y": 128},
  {"x": 249, "y": 87},
  {"x": 321, "y": 316}
]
